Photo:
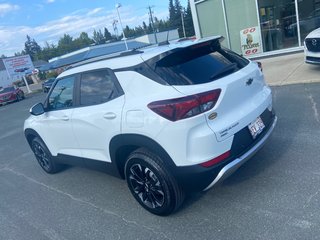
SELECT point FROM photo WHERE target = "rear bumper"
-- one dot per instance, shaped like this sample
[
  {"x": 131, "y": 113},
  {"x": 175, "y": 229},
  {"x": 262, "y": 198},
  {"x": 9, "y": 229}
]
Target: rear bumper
[
  {"x": 230, "y": 168},
  {"x": 198, "y": 178}
]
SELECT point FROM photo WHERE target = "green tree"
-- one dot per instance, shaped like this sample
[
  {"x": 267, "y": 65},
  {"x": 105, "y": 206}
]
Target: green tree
[
  {"x": 82, "y": 41},
  {"x": 48, "y": 51},
  {"x": 188, "y": 23},
  {"x": 107, "y": 35},
  {"x": 98, "y": 37},
  {"x": 145, "y": 27},
  {"x": 65, "y": 44},
  {"x": 32, "y": 48},
  {"x": 175, "y": 11}
]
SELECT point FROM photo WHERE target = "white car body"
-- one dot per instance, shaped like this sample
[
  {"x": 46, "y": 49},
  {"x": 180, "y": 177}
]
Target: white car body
[
  {"x": 312, "y": 47},
  {"x": 213, "y": 143}
]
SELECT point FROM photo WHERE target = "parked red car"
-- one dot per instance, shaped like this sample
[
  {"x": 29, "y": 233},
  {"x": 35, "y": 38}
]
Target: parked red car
[{"x": 10, "y": 94}]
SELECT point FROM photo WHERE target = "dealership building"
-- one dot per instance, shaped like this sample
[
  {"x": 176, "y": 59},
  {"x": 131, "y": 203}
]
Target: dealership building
[{"x": 257, "y": 27}]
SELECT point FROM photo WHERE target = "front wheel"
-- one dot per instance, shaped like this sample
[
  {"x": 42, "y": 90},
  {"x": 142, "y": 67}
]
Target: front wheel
[
  {"x": 151, "y": 183},
  {"x": 44, "y": 156}
]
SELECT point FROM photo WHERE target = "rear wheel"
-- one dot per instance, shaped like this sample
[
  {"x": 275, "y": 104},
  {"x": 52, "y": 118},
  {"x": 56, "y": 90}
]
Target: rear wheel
[
  {"x": 44, "y": 156},
  {"x": 151, "y": 183},
  {"x": 19, "y": 97}
]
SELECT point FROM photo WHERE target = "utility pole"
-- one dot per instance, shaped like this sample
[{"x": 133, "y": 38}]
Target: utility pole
[
  {"x": 124, "y": 36},
  {"x": 183, "y": 28},
  {"x": 152, "y": 24}
]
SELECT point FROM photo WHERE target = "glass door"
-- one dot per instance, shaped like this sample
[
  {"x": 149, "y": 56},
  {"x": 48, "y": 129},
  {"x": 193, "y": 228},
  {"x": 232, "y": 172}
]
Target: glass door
[{"x": 278, "y": 24}]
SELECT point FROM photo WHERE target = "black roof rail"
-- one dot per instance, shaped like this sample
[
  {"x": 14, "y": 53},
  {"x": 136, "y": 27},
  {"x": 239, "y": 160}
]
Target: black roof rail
[{"x": 105, "y": 57}]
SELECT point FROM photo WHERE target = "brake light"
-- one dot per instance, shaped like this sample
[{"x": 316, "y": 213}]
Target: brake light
[
  {"x": 185, "y": 107},
  {"x": 216, "y": 160},
  {"x": 260, "y": 66}
]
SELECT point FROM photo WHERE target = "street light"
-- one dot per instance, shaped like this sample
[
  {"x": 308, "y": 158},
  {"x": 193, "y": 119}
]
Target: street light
[{"x": 118, "y": 5}]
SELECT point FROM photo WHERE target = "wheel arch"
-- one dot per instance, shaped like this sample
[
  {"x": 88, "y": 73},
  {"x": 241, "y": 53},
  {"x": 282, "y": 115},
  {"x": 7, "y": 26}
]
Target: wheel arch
[
  {"x": 121, "y": 146},
  {"x": 31, "y": 134}
]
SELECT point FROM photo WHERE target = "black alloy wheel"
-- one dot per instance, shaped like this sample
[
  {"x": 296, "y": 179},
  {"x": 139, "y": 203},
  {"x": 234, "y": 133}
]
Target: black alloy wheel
[
  {"x": 151, "y": 184},
  {"x": 44, "y": 157},
  {"x": 146, "y": 186}
]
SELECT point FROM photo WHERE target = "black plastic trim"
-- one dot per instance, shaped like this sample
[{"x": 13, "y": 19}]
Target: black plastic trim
[
  {"x": 96, "y": 165},
  {"x": 122, "y": 145}
]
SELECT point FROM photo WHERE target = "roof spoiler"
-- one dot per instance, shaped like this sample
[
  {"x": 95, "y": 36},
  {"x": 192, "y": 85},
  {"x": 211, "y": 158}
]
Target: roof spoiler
[{"x": 175, "y": 55}]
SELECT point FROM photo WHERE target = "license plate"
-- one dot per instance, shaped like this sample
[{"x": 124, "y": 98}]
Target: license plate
[{"x": 256, "y": 127}]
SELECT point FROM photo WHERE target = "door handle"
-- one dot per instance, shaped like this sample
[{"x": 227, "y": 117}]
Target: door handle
[{"x": 110, "y": 115}]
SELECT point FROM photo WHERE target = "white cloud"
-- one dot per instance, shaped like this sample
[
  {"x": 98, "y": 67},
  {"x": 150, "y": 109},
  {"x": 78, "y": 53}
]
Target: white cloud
[
  {"x": 50, "y": 1},
  {"x": 6, "y": 8},
  {"x": 94, "y": 11},
  {"x": 12, "y": 38}
]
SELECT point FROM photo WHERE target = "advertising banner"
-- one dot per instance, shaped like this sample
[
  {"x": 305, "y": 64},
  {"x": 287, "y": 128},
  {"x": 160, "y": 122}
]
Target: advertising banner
[
  {"x": 251, "y": 43},
  {"x": 18, "y": 66}
]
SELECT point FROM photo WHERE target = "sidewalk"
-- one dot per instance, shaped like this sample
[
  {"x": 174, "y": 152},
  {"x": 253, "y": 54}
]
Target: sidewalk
[{"x": 289, "y": 69}]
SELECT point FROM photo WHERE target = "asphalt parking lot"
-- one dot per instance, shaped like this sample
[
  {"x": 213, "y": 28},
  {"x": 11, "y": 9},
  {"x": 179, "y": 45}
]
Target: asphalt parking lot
[{"x": 276, "y": 195}]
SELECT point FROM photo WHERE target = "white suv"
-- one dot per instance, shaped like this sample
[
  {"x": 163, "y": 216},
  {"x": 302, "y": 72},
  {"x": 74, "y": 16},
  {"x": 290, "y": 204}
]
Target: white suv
[
  {"x": 312, "y": 47},
  {"x": 169, "y": 119}
]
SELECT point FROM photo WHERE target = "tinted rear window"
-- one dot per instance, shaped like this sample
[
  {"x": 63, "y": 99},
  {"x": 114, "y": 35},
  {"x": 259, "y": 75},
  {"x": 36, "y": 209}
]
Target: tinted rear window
[{"x": 198, "y": 66}]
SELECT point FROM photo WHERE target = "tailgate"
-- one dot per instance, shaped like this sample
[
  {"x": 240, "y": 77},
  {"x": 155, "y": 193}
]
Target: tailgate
[{"x": 243, "y": 98}]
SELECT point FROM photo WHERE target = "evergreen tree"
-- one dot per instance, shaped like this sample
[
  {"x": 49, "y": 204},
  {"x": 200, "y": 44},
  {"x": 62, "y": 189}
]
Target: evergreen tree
[
  {"x": 145, "y": 27},
  {"x": 32, "y": 48},
  {"x": 188, "y": 22},
  {"x": 48, "y": 52},
  {"x": 172, "y": 13},
  {"x": 98, "y": 37},
  {"x": 107, "y": 35},
  {"x": 175, "y": 11},
  {"x": 65, "y": 44},
  {"x": 82, "y": 41}
]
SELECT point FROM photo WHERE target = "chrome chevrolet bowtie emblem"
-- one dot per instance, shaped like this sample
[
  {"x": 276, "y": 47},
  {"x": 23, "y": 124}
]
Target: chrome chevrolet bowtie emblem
[
  {"x": 314, "y": 42},
  {"x": 249, "y": 81}
]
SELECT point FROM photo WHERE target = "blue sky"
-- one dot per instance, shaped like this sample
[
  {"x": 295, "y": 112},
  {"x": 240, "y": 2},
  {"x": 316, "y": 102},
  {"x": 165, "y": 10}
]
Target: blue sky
[{"x": 48, "y": 20}]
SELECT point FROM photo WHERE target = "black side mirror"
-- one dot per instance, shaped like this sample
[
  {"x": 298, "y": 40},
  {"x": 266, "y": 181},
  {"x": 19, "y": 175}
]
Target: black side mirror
[{"x": 37, "y": 109}]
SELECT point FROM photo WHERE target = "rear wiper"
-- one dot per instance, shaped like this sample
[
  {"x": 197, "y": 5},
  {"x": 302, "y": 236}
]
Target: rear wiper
[{"x": 224, "y": 71}]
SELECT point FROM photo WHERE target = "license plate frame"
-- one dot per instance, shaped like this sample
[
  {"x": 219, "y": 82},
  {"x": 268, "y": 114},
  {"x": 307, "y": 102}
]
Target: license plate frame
[{"x": 256, "y": 127}]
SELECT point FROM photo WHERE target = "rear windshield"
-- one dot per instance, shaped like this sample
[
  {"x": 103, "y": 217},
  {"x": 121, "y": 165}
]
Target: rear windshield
[{"x": 198, "y": 66}]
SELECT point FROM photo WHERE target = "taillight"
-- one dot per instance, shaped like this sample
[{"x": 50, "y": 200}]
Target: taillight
[
  {"x": 216, "y": 160},
  {"x": 260, "y": 66},
  {"x": 185, "y": 107}
]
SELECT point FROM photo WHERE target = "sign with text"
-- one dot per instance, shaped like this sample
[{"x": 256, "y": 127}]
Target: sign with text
[
  {"x": 17, "y": 66},
  {"x": 250, "y": 41}
]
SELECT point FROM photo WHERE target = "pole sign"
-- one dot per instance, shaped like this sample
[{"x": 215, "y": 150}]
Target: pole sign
[
  {"x": 18, "y": 66},
  {"x": 251, "y": 41}
]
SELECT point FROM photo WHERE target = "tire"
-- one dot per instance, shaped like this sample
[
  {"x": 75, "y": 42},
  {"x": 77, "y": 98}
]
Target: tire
[
  {"x": 19, "y": 97},
  {"x": 151, "y": 184},
  {"x": 44, "y": 156}
]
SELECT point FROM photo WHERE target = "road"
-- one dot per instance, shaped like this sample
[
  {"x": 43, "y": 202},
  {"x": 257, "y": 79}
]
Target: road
[{"x": 275, "y": 195}]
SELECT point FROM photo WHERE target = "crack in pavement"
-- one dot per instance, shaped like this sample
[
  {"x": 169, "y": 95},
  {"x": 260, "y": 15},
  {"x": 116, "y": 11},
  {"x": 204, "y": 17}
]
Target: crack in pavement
[
  {"x": 313, "y": 105},
  {"x": 126, "y": 221},
  {"x": 290, "y": 74}
]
